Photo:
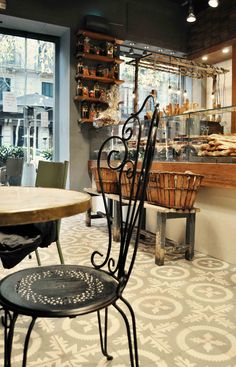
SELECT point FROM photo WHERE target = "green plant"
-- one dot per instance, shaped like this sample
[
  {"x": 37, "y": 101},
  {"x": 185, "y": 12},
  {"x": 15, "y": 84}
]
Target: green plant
[
  {"x": 10, "y": 152},
  {"x": 47, "y": 154}
]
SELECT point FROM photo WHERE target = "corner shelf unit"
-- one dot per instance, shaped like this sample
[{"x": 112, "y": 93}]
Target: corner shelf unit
[{"x": 94, "y": 58}]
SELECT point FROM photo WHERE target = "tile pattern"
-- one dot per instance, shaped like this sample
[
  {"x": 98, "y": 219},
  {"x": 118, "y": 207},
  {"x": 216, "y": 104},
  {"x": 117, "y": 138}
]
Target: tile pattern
[{"x": 186, "y": 312}]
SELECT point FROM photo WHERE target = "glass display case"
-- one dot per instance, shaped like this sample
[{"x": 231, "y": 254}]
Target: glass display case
[{"x": 198, "y": 136}]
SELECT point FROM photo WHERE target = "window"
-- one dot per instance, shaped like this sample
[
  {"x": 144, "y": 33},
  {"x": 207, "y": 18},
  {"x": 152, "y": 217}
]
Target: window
[
  {"x": 5, "y": 85},
  {"x": 47, "y": 89}
]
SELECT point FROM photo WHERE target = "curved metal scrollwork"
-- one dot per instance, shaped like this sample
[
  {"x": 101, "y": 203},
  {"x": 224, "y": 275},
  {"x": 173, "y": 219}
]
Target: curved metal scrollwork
[{"x": 136, "y": 172}]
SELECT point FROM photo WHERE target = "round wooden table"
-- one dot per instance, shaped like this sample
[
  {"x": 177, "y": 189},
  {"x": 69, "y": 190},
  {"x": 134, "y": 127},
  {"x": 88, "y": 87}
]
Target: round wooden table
[{"x": 22, "y": 205}]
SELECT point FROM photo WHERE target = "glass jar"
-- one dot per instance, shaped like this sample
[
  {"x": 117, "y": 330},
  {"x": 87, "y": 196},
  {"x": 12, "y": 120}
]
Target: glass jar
[
  {"x": 85, "y": 111},
  {"x": 79, "y": 88},
  {"x": 80, "y": 67},
  {"x": 109, "y": 47},
  {"x": 96, "y": 90},
  {"x": 86, "y": 45}
]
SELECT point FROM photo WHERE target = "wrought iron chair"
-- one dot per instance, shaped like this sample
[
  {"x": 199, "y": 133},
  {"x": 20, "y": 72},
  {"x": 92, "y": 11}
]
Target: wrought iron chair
[
  {"x": 52, "y": 174},
  {"x": 72, "y": 290}
]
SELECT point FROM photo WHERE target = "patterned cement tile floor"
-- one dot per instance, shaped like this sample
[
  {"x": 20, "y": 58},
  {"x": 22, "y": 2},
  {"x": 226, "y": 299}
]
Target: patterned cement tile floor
[{"x": 186, "y": 312}]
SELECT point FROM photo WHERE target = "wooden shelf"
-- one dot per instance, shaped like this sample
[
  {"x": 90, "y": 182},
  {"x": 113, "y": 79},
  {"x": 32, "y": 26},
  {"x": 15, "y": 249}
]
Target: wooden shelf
[
  {"x": 99, "y": 57},
  {"x": 99, "y": 36},
  {"x": 99, "y": 79},
  {"x": 89, "y": 99},
  {"x": 86, "y": 121}
]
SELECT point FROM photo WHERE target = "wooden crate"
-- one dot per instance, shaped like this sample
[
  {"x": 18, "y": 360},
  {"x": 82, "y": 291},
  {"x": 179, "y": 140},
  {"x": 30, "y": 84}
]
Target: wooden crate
[
  {"x": 173, "y": 189},
  {"x": 109, "y": 180}
]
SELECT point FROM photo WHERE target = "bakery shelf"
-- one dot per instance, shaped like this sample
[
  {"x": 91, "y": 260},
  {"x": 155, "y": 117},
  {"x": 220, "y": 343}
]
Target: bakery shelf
[
  {"x": 89, "y": 99},
  {"x": 99, "y": 79},
  {"x": 86, "y": 121},
  {"x": 99, "y": 57}
]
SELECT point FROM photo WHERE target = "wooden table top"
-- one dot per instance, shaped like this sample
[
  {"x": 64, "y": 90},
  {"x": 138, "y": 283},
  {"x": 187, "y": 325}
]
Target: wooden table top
[{"x": 22, "y": 205}]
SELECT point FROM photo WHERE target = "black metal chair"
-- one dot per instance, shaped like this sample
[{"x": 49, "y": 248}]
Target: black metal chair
[{"x": 72, "y": 290}]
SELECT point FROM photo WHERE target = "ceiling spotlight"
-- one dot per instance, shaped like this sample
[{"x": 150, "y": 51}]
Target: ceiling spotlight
[
  {"x": 131, "y": 43},
  {"x": 213, "y": 3},
  {"x": 191, "y": 16},
  {"x": 204, "y": 58},
  {"x": 3, "y": 4},
  {"x": 131, "y": 51},
  {"x": 225, "y": 50}
]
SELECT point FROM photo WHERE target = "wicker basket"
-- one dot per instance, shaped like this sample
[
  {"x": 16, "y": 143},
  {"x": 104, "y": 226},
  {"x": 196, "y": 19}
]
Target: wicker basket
[
  {"x": 173, "y": 189},
  {"x": 126, "y": 183},
  {"x": 109, "y": 180}
]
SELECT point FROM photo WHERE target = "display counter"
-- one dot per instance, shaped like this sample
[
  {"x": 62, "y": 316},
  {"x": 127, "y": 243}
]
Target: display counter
[{"x": 198, "y": 141}]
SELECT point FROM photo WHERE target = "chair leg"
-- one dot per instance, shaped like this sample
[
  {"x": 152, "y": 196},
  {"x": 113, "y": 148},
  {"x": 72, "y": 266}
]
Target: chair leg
[
  {"x": 60, "y": 252},
  {"x": 38, "y": 257},
  {"x": 27, "y": 338},
  {"x": 9, "y": 326},
  {"x": 133, "y": 357},
  {"x": 103, "y": 338}
]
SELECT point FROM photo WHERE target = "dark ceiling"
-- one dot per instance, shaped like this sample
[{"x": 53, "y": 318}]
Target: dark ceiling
[{"x": 198, "y": 5}]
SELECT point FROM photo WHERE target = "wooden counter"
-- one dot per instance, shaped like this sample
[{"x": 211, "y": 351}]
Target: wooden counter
[{"x": 215, "y": 174}]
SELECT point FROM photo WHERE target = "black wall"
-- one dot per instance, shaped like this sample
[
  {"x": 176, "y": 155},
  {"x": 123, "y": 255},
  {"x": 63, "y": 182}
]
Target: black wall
[{"x": 156, "y": 22}]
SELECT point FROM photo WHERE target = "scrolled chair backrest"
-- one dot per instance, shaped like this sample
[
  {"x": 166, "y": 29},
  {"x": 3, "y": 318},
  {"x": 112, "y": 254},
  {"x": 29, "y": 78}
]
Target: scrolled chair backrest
[{"x": 118, "y": 260}]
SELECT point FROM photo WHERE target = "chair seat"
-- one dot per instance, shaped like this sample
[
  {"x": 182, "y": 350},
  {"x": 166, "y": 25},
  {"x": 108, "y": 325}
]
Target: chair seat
[{"x": 57, "y": 291}]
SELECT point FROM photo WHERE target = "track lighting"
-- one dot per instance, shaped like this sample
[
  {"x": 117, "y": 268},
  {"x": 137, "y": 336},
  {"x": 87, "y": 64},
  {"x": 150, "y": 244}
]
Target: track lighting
[{"x": 213, "y": 3}]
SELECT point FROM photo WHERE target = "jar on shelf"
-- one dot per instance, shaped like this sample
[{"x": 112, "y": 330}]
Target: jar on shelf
[
  {"x": 85, "y": 92},
  {"x": 96, "y": 90},
  {"x": 85, "y": 111},
  {"x": 80, "y": 67},
  {"x": 116, "y": 71},
  {"x": 109, "y": 47},
  {"x": 92, "y": 112},
  {"x": 91, "y": 93},
  {"x": 85, "y": 71},
  {"x": 92, "y": 71},
  {"x": 80, "y": 45},
  {"x": 105, "y": 72},
  {"x": 97, "y": 50},
  {"x": 87, "y": 45},
  {"x": 115, "y": 50},
  {"x": 79, "y": 88},
  {"x": 99, "y": 70}
]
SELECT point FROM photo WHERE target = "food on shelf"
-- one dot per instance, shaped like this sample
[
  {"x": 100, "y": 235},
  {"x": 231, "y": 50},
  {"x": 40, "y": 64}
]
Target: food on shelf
[{"x": 219, "y": 146}]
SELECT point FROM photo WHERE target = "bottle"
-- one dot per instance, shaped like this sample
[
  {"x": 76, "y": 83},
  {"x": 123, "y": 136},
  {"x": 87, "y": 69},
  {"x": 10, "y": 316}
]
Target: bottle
[
  {"x": 79, "y": 88},
  {"x": 85, "y": 111},
  {"x": 109, "y": 47},
  {"x": 96, "y": 90},
  {"x": 86, "y": 45},
  {"x": 80, "y": 67},
  {"x": 115, "y": 50},
  {"x": 80, "y": 45},
  {"x": 92, "y": 112},
  {"x": 116, "y": 71}
]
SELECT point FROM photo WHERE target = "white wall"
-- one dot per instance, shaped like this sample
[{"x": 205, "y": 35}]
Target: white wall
[{"x": 225, "y": 85}]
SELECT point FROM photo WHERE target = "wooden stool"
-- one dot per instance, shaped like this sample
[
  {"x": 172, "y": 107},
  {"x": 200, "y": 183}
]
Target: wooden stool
[
  {"x": 163, "y": 214},
  {"x": 89, "y": 216}
]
